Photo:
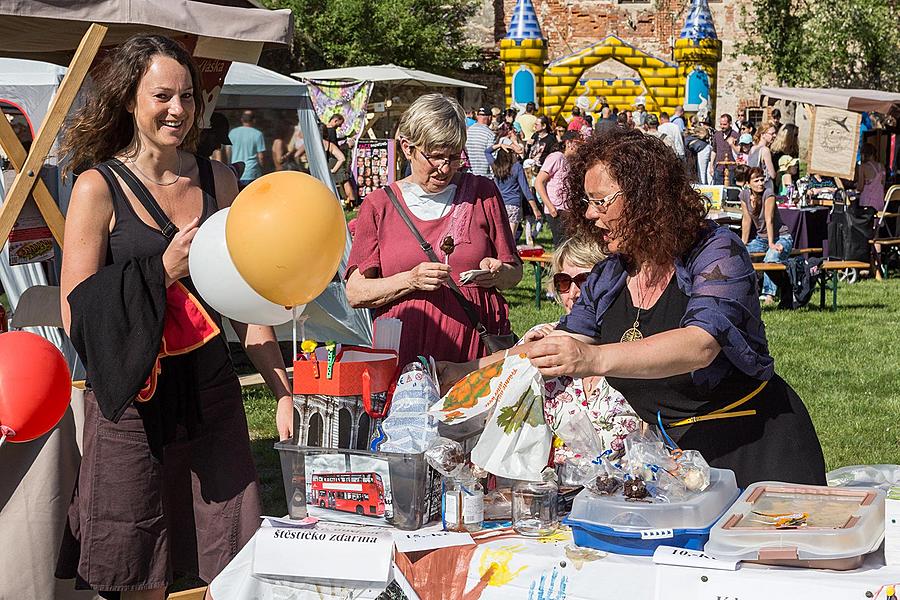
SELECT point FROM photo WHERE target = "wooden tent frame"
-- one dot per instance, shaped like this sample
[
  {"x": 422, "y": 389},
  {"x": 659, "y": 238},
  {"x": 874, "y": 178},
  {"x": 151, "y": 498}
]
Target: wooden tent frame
[{"x": 28, "y": 165}]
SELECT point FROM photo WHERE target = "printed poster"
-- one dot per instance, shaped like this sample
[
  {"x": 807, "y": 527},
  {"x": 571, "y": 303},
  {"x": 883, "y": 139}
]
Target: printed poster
[{"x": 374, "y": 165}]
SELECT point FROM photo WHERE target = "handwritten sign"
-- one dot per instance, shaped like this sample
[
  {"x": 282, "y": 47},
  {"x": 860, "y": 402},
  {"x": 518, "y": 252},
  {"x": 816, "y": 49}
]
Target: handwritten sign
[
  {"x": 323, "y": 554},
  {"x": 412, "y": 541},
  {"x": 682, "y": 557}
]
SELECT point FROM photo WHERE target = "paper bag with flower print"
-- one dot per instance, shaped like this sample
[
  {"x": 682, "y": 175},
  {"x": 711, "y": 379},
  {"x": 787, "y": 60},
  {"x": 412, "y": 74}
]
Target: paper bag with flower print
[{"x": 516, "y": 439}]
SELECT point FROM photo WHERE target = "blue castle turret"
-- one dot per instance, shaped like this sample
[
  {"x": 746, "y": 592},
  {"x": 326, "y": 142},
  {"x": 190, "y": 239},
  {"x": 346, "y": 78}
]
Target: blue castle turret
[
  {"x": 524, "y": 23},
  {"x": 699, "y": 23}
]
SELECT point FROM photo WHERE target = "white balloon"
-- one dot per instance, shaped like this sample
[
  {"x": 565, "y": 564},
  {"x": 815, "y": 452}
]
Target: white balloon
[{"x": 219, "y": 283}]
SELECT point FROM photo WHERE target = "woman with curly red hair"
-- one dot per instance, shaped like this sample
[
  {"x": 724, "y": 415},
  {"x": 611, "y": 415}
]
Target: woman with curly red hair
[{"x": 672, "y": 317}]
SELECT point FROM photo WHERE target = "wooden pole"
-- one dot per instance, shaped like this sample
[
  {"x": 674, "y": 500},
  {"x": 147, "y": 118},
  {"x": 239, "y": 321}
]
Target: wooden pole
[
  {"x": 40, "y": 147},
  {"x": 42, "y": 196}
]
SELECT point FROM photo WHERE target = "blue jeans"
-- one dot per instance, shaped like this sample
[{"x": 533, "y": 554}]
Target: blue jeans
[{"x": 772, "y": 256}]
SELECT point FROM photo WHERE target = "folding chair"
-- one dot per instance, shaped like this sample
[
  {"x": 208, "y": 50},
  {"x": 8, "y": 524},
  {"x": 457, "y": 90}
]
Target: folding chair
[{"x": 886, "y": 244}]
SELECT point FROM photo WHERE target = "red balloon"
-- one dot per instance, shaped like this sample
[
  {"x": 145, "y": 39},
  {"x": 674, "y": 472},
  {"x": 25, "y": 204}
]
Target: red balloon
[{"x": 35, "y": 385}]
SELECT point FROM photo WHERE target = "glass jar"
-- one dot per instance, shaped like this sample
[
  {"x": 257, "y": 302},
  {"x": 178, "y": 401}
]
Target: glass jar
[
  {"x": 535, "y": 506},
  {"x": 463, "y": 504}
]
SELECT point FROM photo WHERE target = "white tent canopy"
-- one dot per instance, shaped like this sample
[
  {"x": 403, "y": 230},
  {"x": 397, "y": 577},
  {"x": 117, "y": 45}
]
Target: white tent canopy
[
  {"x": 251, "y": 86},
  {"x": 853, "y": 100},
  {"x": 388, "y": 74}
]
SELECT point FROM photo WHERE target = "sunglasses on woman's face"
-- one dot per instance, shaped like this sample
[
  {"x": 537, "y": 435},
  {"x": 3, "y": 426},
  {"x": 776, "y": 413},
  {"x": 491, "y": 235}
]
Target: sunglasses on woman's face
[{"x": 563, "y": 281}]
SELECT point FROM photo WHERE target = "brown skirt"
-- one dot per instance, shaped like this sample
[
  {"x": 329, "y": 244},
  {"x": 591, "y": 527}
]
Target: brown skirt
[{"x": 136, "y": 524}]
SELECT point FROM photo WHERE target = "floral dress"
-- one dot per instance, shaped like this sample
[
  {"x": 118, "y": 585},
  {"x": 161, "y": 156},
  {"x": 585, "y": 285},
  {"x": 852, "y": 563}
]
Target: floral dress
[{"x": 611, "y": 415}]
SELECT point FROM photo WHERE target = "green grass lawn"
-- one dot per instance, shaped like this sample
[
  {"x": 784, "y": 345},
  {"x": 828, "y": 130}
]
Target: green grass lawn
[{"x": 843, "y": 364}]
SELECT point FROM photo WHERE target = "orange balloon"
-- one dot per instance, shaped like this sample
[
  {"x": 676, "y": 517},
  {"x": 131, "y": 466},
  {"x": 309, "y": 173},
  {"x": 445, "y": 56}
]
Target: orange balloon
[
  {"x": 35, "y": 386},
  {"x": 286, "y": 235}
]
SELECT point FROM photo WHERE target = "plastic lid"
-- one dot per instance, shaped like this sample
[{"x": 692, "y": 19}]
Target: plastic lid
[
  {"x": 841, "y": 523},
  {"x": 618, "y": 513}
]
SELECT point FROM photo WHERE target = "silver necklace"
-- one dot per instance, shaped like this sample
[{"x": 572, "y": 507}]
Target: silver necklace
[{"x": 159, "y": 183}]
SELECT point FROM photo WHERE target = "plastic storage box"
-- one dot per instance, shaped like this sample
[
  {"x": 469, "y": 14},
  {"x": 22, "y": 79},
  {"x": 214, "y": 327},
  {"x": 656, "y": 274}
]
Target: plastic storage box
[
  {"x": 842, "y": 526},
  {"x": 615, "y": 524},
  {"x": 355, "y": 486}
]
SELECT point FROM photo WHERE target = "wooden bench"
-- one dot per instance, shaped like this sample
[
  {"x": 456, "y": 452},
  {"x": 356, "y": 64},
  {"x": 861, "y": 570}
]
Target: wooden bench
[
  {"x": 794, "y": 252},
  {"x": 538, "y": 263},
  {"x": 829, "y": 270}
]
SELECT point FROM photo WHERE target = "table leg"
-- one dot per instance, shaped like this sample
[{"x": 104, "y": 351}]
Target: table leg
[
  {"x": 834, "y": 285},
  {"x": 538, "y": 272}
]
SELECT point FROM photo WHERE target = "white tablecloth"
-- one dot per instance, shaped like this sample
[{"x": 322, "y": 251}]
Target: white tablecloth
[{"x": 531, "y": 569}]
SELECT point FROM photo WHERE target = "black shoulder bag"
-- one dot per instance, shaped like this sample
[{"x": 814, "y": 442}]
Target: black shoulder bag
[{"x": 492, "y": 341}]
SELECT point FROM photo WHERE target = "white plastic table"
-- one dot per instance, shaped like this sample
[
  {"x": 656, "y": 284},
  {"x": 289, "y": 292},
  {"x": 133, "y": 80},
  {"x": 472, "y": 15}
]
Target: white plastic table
[{"x": 530, "y": 569}]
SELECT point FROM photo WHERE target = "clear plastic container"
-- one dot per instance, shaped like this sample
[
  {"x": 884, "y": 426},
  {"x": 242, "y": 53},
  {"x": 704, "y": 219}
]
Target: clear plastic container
[
  {"x": 842, "y": 525},
  {"x": 616, "y": 524},
  {"x": 371, "y": 488}
]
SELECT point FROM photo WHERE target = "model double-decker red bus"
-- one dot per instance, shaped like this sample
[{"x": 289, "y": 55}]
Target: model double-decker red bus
[{"x": 360, "y": 493}]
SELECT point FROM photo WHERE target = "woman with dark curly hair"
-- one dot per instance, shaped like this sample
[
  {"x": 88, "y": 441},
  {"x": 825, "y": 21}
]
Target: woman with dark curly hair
[{"x": 672, "y": 317}]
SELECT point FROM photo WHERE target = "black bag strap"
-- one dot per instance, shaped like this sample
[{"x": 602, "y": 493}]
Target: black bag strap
[
  {"x": 140, "y": 191},
  {"x": 467, "y": 306}
]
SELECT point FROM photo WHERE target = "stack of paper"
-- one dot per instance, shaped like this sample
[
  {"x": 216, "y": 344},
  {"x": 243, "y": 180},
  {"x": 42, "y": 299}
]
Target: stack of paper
[{"x": 892, "y": 527}]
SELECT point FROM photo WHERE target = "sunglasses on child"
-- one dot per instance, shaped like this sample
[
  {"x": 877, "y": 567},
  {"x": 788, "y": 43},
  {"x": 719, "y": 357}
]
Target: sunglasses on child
[{"x": 563, "y": 281}]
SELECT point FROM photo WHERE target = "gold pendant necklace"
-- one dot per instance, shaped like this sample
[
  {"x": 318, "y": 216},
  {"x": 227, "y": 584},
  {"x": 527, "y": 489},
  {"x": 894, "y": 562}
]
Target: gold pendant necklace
[{"x": 633, "y": 333}]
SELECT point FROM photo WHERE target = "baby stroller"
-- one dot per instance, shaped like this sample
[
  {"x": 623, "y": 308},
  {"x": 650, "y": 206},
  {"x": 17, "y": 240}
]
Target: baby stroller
[{"x": 850, "y": 227}]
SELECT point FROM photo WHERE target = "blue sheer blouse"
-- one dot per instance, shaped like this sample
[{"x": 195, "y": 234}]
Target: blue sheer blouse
[{"x": 718, "y": 277}]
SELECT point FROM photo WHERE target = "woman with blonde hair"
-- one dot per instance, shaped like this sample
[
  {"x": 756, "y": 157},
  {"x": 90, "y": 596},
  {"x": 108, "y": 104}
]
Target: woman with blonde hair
[
  {"x": 787, "y": 141},
  {"x": 461, "y": 216},
  {"x": 609, "y": 412},
  {"x": 761, "y": 153}
]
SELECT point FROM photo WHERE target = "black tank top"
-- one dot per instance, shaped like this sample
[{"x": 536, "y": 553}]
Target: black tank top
[
  {"x": 674, "y": 397},
  {"x": 131, "y": 238}
]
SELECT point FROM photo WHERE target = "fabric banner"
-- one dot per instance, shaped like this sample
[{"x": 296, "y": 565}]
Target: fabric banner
[{"x": 348, "y": 99}]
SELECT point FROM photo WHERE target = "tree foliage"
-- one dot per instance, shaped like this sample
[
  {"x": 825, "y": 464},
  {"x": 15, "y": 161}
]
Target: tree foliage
[
  {"x": 825, "y": 43},
  {"x": 425, "y": 34}
]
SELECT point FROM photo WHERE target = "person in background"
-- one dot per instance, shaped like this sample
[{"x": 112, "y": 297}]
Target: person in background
[
  {"x": 510, "y": 179},
  {"x": 606, "y": 120},
  {"x": 283, "y": 158},
  {"x": 758, "y": 208},
  {"x": 577, "y": 122},
  {"x": 744, "y": 147},
  {"x": 560, "y": 131},
  {"x": 527, "y": 121},
  {"x": 761, "y": 155},
  {"x": 788, "y": 173},
  {"x": 470, "y": 117},
  {"x": 610, "y": 414},
  {"x": 678, "y": 118},
  {"x": 775, "y": 119},
  {"x": 673, "y": 136},
  {"x": 509, "y": 137},
  {"x": 247, "y": 146},
  {"x": 549, "y": 185},
  {"x": 697, "y": 143},
  {"x": 479, "y": 137},
  {"x": 722, "y": 144},
  {"x": 638, "y": 115},
  {"x": 624, "y": 121},
  {"x": 870, "y": 179},
  {"x": 787, "y": 141},
  {"x": 389, "y": 272},
  {"x": 213, "y": 139},
  {"x": 542, "y": 143},
  {"x": 337, "y": 162},
  {"x": 497, "y": 119}
]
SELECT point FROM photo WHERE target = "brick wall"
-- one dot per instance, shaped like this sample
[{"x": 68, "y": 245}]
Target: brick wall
[{"x": 571, "y": 25}]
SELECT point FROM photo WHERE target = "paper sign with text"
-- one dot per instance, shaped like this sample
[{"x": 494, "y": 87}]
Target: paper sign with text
[
  {"x": 682, "y": 557},
  {"x": 413, "y": 541},
  {"x": 353, "y": 555}
]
